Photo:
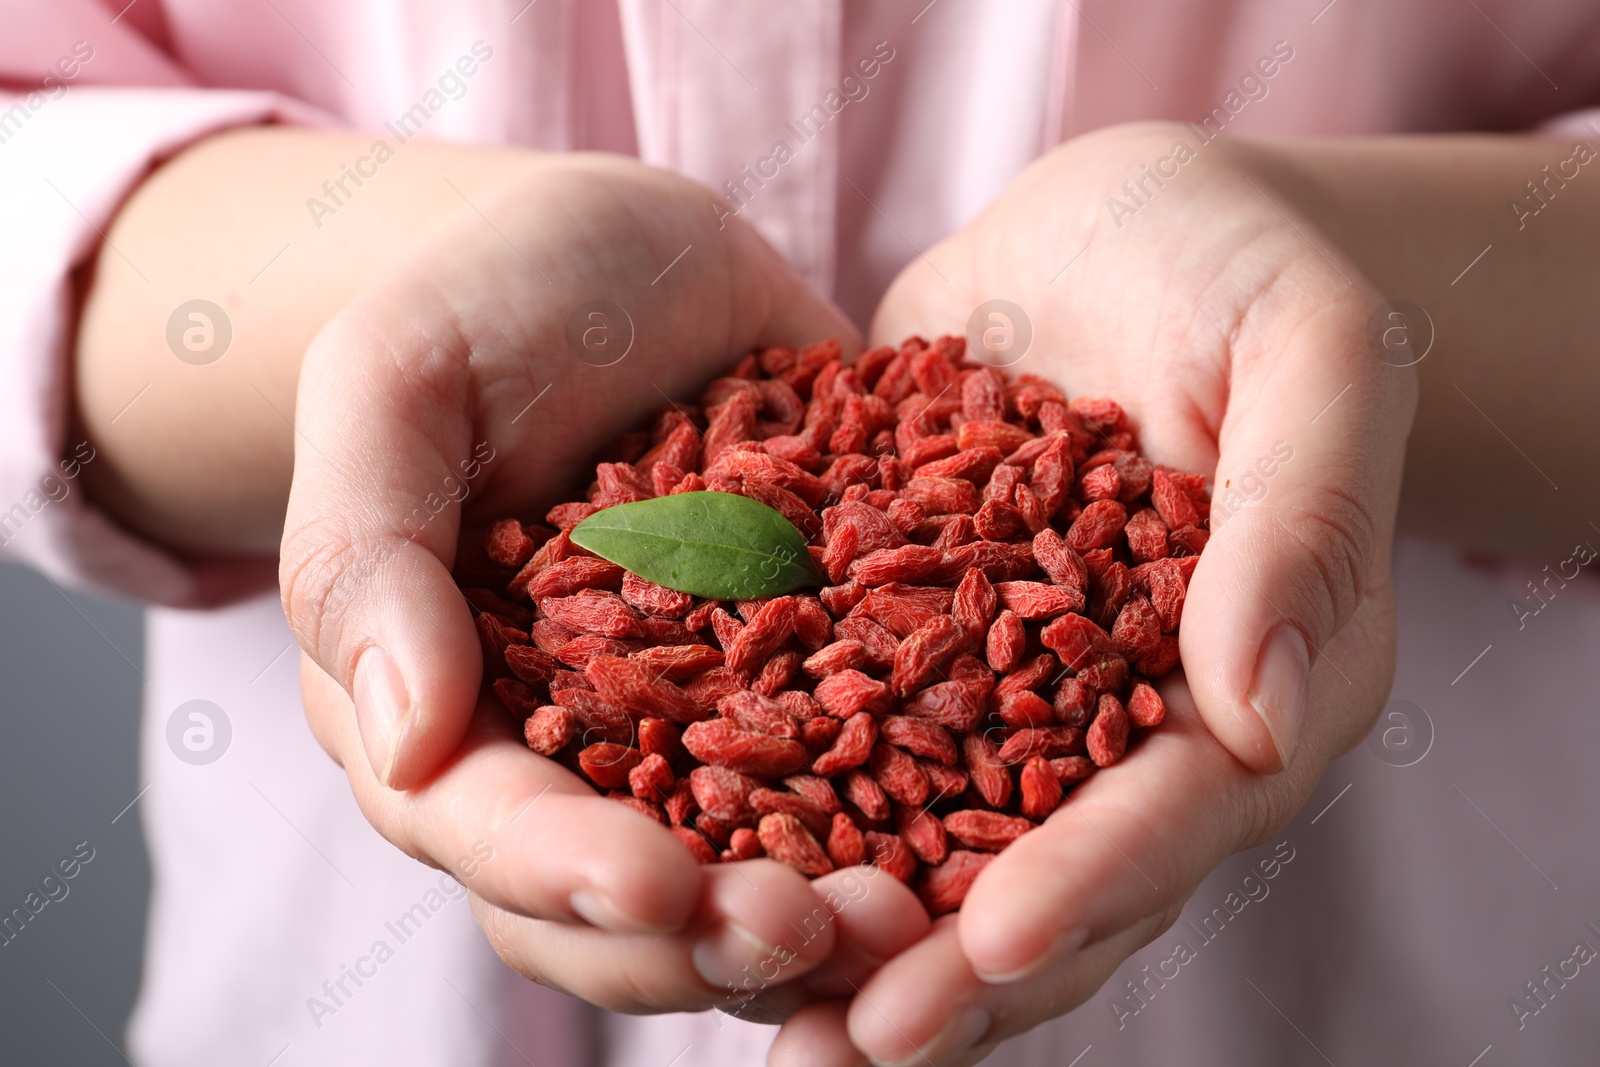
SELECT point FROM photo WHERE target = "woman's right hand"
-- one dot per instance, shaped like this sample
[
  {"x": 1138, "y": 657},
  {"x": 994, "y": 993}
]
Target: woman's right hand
[{"x": 459, "y": 369}]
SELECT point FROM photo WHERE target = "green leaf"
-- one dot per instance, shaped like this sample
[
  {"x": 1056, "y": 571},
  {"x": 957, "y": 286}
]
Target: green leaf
[{"x": 717, "y": 545}]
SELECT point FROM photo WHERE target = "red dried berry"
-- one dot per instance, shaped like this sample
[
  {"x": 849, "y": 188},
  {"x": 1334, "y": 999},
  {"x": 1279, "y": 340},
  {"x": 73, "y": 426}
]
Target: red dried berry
[
  {"x": 920, "y": 737},
  {"x": 787, "y": 841},
  {"x": 719, "y": 743},
  {"x": 990, "y": 777},
  {"x": 1048, "y": 742},
  {"x": 907, "y": 563},
  {"x": 944, "y": 887},
  {"x": 925, "y": 652},
  {"x": 1039, "y": 788},
  {"x": 697, "y": 845},
  {"x": 608, "y": 764},
  {"x": 769, "y": 627},
  {"x": 677, "y": 662},
  {"x": 652, "y": 779},
  {"x": 549, "y": 730},
  {"x": 1035, "y": 600},
  {"x": 1108, "y": 734},
  {"x": 631, "y": 686},
  {"x": 507, "y": 544},
  {"x": 743, "y": 844},
  {"x": 989, "y": 831},
  {"x": 862, "y": 790},
  {"x": 1098, "y": 526},
  {"x": 847, "y": 846},
  {"x": 771, "y": 802},
  {"x": 1145, "y": 706},
  {"x": 890, "y": 854},
  {"x": 852, "y": 748},
  {"x": 898, "y": 774},
  {"x": 924, "y": 834},
  {"x": 722, "y": 793},
  {"x": 831, "y": 659},
  {"x": 846, "y": 692}
]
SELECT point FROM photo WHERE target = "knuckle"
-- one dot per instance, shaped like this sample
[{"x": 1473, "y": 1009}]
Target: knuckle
[
  {"x": 1264, "y": 808},
  {"x": 320, "y": 571},
  {"x": 1333, "y": 538}
]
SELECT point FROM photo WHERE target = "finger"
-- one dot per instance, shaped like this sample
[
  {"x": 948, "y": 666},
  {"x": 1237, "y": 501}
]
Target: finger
[
  {"x": 816, "y": 1036},
  {"x": 877, "y": 917},
  {"x": 751, "y": 934},
  {"x": 1307, "y": 483},
  {"x": 364, "y": 561},
  {"x": 928, "y": 1006},
  {"x": 518, "y": 829}
]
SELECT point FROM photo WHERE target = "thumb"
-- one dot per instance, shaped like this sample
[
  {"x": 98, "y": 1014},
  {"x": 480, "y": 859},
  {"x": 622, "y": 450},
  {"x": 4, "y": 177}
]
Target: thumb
[
  {"x": 370, "y": 533},
  {"x": 1303, "y": 507}
]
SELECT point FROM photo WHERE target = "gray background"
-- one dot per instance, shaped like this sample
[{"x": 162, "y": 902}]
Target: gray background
[{"x": 69, "y": 763}]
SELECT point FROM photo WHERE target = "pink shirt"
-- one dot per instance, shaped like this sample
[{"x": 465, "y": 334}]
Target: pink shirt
[{"x": 900, "y": 121}]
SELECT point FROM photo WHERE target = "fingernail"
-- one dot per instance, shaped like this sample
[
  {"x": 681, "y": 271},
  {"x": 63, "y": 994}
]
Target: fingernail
[
  {"x": 383, "y": 707},
  {"x": 1281, "y": 687},
  {"x": 963, "y": 1032},
  {"x": 1062, "y": 945},
  {"x": 730, "y": 957},
  {"x": 597, "y": 909}
]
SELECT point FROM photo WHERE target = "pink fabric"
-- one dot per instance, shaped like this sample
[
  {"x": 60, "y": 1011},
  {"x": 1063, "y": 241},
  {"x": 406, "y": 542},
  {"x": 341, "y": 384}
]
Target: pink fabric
[{"x": 963, "y": 94}]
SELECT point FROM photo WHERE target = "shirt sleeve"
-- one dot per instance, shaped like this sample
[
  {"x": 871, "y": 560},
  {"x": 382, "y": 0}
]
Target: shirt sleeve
[{"x": 69, "y": 157}]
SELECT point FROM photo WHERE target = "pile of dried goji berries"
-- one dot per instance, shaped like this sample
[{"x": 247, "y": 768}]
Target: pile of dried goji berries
[{"x": 1008, "y": 574}]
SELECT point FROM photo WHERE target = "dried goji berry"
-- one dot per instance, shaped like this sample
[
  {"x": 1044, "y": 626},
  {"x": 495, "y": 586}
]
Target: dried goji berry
[
  {"x": 925, "y": 652},
  {"x": 944, "y": 782},
  {"x": 1046, "y": 741},
  {"x": 920, "y": 737},
  {"x": 719, "y": 743},
  {"x": 839, "y": 656},
  {"x": 1145, "y": 706},
  {"x": 944, "y": 887},
  {"x": 1098, "y": 526},
  {"x": 771, "y": 801},
  {"x": 770, "y": 627},
  {"x": 987, "y": 830},
  {"x": 851, "y": 749},
  {"x": 1039, "y": 788},
  {"x": 953, "y": 705},
  {"x": 890, "y": 854},
  {"x": 743, "y": 844},
  {"x": 593, "y": 611},
  {"x": 549, "y": 730},
  {"x": 898, "y": 774},
  {"x": 1108, "y": 734},
  {"x": 847, "y": 846},
  {"x": 924, "y": 834},
  {"x": 1074, "y": 703},
  {"x": 607, "y": 764},
  {"x": 1036, "y": 601},
  {"x": 507, "y": 544},
  {"x": 787, "y": 841},
  {"x": 990, "y": 777},
  {"x": 846, "y": 692},
  {"x": 862, "y": 790},
  {"x": 907, "y": 563},
  {"x": 722, "y": 793},
  {"x": 652, "y": 779},
  {"x": 697, "y": 845}
]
